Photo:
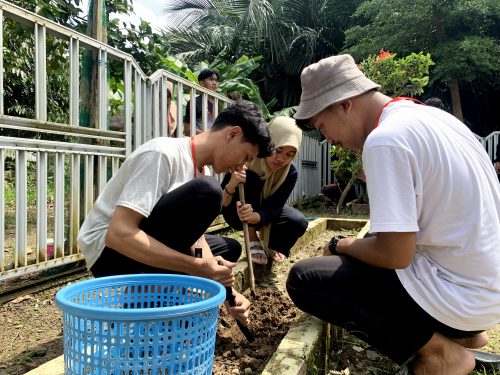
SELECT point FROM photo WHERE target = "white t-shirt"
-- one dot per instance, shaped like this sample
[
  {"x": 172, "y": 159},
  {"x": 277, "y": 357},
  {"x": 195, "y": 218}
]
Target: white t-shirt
[
  {"x": 155, "y": 168},
  {"x": 427, "y": 173}
]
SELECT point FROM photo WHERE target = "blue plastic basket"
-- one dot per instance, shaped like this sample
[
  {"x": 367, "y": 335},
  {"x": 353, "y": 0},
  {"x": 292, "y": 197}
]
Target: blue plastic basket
[{"x": 140, "y": 324}]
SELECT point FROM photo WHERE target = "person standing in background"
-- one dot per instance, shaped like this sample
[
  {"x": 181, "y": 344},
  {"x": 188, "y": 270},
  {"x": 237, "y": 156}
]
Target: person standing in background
[
  {"x": 209, "y": 79},
  {"x": 435, "y": 102}
]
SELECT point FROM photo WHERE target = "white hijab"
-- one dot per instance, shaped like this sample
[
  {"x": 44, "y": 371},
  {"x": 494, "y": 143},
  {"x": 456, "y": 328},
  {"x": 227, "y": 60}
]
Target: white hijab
[{"x": 284, "y": 132}]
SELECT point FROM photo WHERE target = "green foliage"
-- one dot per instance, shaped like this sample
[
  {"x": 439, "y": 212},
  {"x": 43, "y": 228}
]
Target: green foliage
[
  {"x": 234, "y": 76},
  {"x": 117, "y": 96},
  {"x": 289, "y": 112},
  {"x": 289, "y": 34},
  {"x": 176, "y": 66},
  {"x": 19, "y": 65},
  {"x": 146, "y": 46},
  {"x": 473, "y": 59},
  {"x": 463, "y": 36},
  {"x": 19, "y": 70},
  {"x": 19, "y": 58},
  {"x": 31, "y": 185},
  {"x": 63, "y": 12},
  {"x": 405, "y": 76},
  {"x": 346, "y": 162}
]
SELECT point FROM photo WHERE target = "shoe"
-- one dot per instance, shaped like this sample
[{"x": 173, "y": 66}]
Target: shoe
[{"x": 257, "y": 253}]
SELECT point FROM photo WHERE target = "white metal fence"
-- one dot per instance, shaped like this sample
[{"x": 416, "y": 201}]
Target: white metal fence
[
  {"x": 53, "y": 171},
  {"x": 490, "y": 143}
]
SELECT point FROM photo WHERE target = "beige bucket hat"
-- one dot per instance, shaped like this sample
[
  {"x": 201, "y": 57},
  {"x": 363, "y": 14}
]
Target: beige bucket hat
[{"x": 329, "y": 81}]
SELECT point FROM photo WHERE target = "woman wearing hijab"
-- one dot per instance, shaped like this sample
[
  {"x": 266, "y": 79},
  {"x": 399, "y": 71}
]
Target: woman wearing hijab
[{"x": 268, "y": 183}]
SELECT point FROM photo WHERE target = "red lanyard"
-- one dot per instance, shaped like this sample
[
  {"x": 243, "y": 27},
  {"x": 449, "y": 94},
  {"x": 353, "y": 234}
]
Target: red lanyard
[
  {"x": 391, "y": 101},
  {"x": 193, "y": 152}
]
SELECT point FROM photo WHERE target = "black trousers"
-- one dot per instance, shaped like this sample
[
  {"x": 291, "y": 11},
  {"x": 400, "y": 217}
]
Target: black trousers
[
  {"x": 368, "y": 302},
  {"x": 286, "y": 229},
  {"x": 178, "y": 219}
]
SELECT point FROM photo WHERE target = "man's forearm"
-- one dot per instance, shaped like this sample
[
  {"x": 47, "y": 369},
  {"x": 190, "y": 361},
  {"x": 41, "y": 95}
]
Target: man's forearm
[{"x": 390, "y": 252}]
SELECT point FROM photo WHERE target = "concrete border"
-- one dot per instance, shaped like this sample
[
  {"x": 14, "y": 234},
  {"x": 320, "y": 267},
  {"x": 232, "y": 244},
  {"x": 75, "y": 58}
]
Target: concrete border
[{"x": 294, "y": 353}]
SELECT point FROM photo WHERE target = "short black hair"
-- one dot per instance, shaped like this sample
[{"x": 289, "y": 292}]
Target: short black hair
[
  {"x": 207, "y": 73},
  {"x": 435, "y": 102},
  {"x": 248, "y": 116}
]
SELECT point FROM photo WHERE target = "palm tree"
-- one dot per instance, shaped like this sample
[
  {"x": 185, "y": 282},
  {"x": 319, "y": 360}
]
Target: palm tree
[{"x": 289, "y": 34}]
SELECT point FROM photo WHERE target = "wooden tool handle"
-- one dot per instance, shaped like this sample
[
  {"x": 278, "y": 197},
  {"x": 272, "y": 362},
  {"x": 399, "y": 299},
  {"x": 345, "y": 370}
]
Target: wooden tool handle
[{"x": 241, "y": 191}]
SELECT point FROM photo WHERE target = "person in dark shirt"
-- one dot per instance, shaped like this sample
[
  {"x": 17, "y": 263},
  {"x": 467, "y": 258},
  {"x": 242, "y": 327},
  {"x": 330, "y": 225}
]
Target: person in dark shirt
[
  {"x": 209, "y": 79},
  {"x": 435, "y": 102},
  {"x": 268, "y": 185}
]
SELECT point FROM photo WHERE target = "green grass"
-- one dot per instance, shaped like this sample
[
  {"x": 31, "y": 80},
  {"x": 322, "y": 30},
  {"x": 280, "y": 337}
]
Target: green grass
[{"x": 486, "y": 372}]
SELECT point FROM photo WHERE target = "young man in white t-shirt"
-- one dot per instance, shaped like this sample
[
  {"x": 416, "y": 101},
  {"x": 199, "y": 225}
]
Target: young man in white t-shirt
[
  {"x": 426, "y": 285},
  {"x": 154, "y": 212}
]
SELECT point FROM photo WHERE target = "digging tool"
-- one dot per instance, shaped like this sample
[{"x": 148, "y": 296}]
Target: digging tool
[
  {"x": 244, "y": 329},
  {"x": 487, "y": 360},
  {"x": 241, "y": 191},
  {"x": 230, "y": 297}
]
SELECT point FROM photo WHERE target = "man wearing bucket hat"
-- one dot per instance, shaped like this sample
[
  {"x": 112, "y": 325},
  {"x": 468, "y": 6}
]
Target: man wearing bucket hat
[
  {"x": 152, "y": 215},
  {"x": 426, "y": 284}
]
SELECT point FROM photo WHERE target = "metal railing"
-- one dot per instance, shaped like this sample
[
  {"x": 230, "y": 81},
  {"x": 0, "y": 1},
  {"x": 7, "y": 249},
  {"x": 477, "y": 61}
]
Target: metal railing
[
  {"x": 490, "y": 143},
  {"x": 53, "y": 171},
  {"x": 53, "y": 175}
]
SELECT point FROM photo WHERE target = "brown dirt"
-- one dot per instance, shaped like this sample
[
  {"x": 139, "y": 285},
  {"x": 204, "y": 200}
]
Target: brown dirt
[{"x": 273, "y": 314}]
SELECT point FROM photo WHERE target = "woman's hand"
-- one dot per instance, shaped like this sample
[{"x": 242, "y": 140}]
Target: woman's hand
[{"x": 247, "y": 214}]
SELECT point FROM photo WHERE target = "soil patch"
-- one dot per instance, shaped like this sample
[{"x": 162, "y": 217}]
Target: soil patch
[{"x": 273, "y": 313}]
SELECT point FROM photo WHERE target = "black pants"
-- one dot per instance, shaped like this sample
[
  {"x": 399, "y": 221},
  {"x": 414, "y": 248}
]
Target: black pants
[
  {"x": 286, "y": 229},
  {"x": 368, "y": 302},
  {"x": 178, "y": 219}
]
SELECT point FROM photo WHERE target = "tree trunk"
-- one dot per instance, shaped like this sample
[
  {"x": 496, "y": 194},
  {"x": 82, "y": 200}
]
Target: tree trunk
[
  {"x": 454, "y": 89},
  {"x": 89, "y": 103},
  {"x": 456, "y": 104},
  {"x": 344, "y": 194}
]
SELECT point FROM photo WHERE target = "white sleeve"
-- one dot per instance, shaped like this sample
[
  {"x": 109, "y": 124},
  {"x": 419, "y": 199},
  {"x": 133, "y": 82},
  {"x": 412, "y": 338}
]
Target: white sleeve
[
  {"x": 391, "y": 182},
  {"x": 147, "y": 179}
]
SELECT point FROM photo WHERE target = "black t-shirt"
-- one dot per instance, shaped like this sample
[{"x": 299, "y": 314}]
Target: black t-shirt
[{"x": 187, "y": 116}]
